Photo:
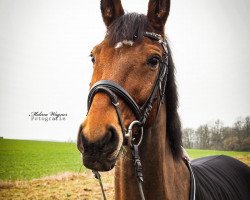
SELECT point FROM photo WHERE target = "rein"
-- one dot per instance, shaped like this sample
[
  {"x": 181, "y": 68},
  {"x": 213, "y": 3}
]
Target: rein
[{"x": 113, "y": 90}]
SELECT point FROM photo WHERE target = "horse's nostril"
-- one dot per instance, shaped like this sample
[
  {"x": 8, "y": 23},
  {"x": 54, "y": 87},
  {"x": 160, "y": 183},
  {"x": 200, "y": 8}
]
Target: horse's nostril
[
  {"x": 80, "y": 141},
  {"x": 110, "y": 140},
  {"x": 106, "y": 144}
]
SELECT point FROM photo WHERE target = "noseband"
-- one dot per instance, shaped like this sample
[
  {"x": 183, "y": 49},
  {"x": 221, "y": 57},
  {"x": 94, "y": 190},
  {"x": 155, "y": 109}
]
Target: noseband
[{"x": 113, "y": 90}]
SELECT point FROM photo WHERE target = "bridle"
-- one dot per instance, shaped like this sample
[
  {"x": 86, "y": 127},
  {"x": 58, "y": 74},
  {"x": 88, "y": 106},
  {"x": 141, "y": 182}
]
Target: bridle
[{"x": 113, "y": 90}]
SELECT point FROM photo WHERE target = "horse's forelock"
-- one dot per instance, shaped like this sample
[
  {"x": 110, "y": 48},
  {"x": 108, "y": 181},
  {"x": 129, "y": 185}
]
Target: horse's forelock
[{"x": 128, "y": 27}]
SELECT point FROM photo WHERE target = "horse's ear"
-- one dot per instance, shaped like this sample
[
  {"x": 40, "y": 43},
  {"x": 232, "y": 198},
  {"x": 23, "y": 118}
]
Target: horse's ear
[
  {"x": 158, "y": 11},
  {"x": 111, "y": 10}
]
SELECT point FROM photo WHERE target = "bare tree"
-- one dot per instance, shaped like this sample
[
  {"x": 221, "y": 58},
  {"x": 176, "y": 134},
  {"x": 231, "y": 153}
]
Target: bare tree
[
  {"x": 189, "y": 138},
  {"x": 203, "y": 136},
  {"x": 216, "y": 135}
]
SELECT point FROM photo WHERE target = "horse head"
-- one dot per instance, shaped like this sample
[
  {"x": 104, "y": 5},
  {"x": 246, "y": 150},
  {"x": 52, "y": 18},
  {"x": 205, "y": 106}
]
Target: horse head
[{"x": 129, "y": 59}]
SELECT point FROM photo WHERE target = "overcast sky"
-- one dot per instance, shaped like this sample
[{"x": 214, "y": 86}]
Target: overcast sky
[{"x": 44, "y": 63}]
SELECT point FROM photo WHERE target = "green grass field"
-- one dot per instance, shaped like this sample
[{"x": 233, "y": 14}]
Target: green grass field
[
  {"x": 197, "y": 153},
  {"x": 24, "y": 159}
]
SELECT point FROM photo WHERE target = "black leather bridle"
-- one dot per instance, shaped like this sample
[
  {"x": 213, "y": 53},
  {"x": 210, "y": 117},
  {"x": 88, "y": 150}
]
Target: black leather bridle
[{"x": 114, "y": 90}]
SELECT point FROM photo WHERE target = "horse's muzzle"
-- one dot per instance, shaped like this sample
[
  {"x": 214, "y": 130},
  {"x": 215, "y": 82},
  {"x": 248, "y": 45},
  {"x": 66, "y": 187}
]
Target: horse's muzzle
[{"x": 99, "y": 155}]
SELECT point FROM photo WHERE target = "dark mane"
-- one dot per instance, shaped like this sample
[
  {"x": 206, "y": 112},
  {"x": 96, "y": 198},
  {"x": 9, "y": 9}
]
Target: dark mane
[
  {"x": 173, "y": 120},
  {"x": 126, "y": 28}
]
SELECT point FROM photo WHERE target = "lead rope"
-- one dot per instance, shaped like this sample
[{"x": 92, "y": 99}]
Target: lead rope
[
  {"x": 98, "y": 176},
  {"x": 136, "y": 159},
  {"x": 138, "y": 171}
]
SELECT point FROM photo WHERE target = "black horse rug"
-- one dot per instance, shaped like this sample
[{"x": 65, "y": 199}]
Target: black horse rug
[{"x": 221, "y": 178}]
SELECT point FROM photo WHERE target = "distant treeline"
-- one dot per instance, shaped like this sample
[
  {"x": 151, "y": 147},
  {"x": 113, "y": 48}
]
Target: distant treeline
[{"x": 219, "y": 137}]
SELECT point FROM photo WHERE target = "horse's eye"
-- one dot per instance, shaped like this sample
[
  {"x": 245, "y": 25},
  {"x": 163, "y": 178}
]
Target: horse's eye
[
  {"x": 92, "y": 58},
  {"x": 153, "y": 61}
]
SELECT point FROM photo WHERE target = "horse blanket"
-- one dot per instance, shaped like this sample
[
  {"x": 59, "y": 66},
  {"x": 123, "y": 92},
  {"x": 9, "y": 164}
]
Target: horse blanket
[{"x": 221, "y": 178}]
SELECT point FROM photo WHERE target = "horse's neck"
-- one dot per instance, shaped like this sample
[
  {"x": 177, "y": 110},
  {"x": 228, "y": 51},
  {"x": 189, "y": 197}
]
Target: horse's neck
[{"x": 164, "y": 177}]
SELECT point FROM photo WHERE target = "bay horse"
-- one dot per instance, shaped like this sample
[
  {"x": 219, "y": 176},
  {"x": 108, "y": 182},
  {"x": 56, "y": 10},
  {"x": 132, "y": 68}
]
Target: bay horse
[{"x": 132, "y": 121}]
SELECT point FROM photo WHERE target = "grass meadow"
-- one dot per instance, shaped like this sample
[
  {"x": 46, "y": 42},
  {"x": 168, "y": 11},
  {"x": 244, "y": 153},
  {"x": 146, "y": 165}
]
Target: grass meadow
[{"x": 26, "y": 159}]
